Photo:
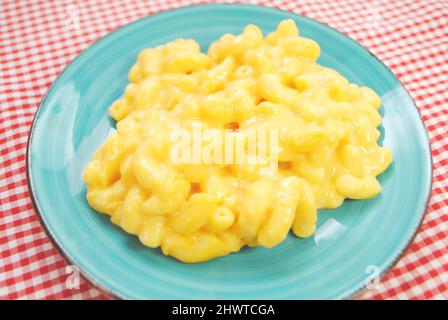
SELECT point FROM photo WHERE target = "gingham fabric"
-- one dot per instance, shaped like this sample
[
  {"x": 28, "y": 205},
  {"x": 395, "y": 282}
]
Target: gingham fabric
[{"x": 39, "y": 38}]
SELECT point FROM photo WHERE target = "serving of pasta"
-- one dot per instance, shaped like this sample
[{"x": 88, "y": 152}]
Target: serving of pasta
[{"x": 326, "y": 151}]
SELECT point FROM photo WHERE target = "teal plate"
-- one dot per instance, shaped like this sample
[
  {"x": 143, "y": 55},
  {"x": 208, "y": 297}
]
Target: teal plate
[{"x": 353, "y": 243}]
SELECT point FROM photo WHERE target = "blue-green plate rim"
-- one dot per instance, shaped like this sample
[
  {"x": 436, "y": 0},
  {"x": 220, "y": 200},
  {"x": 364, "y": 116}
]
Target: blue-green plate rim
[{"x": 109, "y": 291}]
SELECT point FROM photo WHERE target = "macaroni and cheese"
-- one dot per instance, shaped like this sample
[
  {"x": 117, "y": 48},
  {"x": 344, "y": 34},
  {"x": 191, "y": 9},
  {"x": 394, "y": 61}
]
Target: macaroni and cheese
[{"x": 327, "y": 144}]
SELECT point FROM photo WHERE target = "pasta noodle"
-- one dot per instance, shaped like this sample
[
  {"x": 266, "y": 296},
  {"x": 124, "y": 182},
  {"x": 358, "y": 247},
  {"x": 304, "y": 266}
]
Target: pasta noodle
[{"x": 195, "y": 211}]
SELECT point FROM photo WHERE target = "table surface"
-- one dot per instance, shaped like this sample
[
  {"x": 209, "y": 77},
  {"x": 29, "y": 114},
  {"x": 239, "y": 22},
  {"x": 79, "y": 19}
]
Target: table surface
[{"x": 39, "y": 38}]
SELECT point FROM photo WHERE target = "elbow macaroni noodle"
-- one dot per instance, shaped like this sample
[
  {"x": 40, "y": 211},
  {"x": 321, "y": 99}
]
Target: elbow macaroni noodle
[{"x": 327, "y": 144}]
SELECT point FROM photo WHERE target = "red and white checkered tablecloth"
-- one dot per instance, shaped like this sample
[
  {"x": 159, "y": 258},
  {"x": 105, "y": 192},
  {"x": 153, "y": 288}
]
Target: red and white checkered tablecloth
[{"x": 39, "y": 38}]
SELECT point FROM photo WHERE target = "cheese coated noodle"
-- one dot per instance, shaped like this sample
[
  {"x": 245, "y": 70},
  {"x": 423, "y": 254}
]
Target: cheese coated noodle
[{"x": 327, "y": 147}]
